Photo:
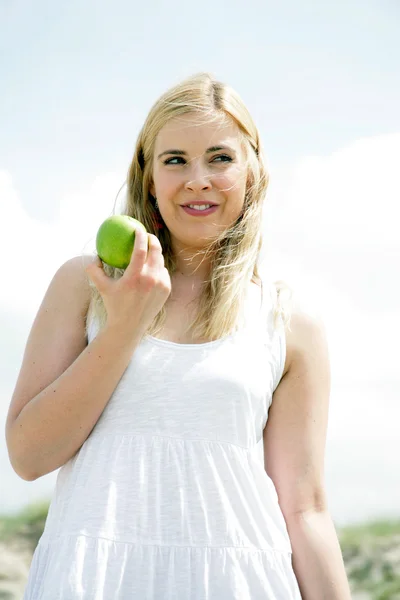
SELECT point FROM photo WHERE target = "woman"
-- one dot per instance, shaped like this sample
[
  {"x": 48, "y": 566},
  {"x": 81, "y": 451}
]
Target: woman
[{"x": 151, "y": 388}]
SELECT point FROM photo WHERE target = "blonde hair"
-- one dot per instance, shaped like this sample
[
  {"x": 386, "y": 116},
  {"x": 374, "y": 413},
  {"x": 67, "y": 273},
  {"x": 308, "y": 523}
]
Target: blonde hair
[{"x": 235, "y": 252}]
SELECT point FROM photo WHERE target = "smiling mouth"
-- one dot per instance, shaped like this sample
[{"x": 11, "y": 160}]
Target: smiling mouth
[
  {"x": 200, "y": 209},
  {"x": 200, "y": 206}
]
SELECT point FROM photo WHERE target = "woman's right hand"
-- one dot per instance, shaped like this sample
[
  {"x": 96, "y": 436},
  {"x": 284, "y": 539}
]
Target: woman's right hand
[{"x": 133, "y": 301}]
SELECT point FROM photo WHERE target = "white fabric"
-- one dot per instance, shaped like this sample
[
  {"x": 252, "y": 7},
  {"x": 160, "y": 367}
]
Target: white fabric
[{"x": 167, "y": 498}]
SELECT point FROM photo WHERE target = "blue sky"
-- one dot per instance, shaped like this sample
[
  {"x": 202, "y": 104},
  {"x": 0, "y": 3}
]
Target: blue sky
[{"x": 323, "y": 84}]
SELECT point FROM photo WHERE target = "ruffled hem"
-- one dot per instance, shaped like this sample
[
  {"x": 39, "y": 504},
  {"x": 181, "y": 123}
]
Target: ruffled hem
[{"x": 89, "y": 568}]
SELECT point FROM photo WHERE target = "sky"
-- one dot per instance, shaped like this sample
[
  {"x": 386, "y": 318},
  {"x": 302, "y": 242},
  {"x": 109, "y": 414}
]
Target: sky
[{"x": 323, "y": 85}]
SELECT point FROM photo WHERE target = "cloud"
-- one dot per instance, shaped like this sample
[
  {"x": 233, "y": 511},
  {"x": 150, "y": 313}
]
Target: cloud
[
  {"x": 331, "y": 231},
  {"x": 83, "y": 211},
  {"x": 32, "y": 250},
  {"x": 349, "y": 198}
]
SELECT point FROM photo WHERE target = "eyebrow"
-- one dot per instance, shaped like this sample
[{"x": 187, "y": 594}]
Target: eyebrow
[{"x": 208, "y": 151}]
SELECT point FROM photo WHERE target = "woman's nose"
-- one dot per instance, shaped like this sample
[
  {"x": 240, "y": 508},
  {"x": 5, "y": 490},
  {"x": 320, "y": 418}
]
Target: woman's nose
[{"x": 200, "y": 179}]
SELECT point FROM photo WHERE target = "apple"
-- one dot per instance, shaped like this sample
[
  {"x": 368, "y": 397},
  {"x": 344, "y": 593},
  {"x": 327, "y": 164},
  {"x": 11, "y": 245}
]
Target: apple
[{"x": 115, "y": 240}]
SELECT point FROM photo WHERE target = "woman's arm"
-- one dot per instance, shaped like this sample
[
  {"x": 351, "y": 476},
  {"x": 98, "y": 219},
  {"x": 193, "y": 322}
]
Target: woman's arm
[
  {"x": 64, "y": 384},
  {"x": 294, "y": 448}
]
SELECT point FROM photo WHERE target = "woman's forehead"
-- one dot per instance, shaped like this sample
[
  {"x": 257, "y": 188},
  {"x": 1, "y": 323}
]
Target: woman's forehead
[{"x": 194, "y": 131}]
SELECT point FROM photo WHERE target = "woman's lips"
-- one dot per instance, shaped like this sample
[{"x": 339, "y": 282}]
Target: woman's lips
[{"x": 200, "y": 213}]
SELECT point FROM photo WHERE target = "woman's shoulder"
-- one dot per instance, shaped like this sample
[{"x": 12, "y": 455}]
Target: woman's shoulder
[
  {"x": 301, "y": 315},
  {"x": 72, "y": 276},
  {"x": 76, "y": 265}
]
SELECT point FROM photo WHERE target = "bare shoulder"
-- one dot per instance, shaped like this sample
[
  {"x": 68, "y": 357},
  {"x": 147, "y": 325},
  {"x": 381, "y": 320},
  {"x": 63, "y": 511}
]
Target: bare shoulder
[
  {"x": 76, "y": 266},
  {"x": 72, "y": 273},
  {"x": 305, "y": 327},
  {"x": 69, "y": 289},
  {"x": 57, "y": 335}
]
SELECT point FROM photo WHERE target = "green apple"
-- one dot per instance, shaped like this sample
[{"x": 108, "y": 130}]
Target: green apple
[{"x": 115, "y": 240}]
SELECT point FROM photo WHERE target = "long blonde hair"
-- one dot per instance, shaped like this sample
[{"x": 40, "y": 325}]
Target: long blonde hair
[{"x": 235, "y": 252}]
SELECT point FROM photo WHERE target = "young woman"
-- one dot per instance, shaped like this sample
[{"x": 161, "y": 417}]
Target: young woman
[{"x": 151, "y": 387}]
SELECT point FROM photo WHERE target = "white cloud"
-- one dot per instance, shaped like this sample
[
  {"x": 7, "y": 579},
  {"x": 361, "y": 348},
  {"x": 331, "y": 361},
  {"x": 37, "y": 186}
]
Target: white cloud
[
  {"x": 82, "y": 212},
  {"x": 332, "y": 232},
  {"x": 349, "y": 198},
  {"x": 33, "y": 250}
]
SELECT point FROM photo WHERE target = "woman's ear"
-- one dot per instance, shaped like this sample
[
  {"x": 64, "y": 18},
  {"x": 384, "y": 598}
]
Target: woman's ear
[{"x": 152, "y": 190}]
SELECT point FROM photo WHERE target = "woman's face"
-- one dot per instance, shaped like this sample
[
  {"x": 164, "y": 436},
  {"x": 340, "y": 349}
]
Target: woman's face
[{"x": 201, "y": 163}]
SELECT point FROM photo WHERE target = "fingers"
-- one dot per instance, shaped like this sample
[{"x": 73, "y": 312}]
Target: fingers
[
  {"x": 155, "y": 257},
  {"x": 139, "y": 253},
  {"x": 147, "y": 250},
  {"x": 95, "y": 272}
]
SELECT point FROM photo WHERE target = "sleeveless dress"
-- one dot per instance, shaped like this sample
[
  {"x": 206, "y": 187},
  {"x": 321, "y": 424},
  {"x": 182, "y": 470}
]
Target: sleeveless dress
[{"x": 168, "y": 498}]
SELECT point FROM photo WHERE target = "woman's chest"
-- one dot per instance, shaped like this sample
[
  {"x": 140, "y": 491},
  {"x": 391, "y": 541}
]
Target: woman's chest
[
  {"x": 180, "y": 314},
  {"x": 218, "y": 391},
  {"x": 182, "y": 310}
]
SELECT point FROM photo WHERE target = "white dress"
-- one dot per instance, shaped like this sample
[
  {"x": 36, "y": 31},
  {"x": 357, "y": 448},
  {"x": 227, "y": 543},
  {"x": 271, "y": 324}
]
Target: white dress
[{"x": 168, "y": 499}]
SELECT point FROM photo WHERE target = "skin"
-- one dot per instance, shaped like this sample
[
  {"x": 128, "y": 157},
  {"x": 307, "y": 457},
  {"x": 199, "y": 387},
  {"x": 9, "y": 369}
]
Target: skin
[{"x": 218, "y": 176}]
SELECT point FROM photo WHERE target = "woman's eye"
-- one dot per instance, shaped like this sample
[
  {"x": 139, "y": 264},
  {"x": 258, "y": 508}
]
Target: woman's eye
[
  {"x": 179, "y": 160},
  {"x": 224, "y": 157},
  {"x": 169, "y": 161}
]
